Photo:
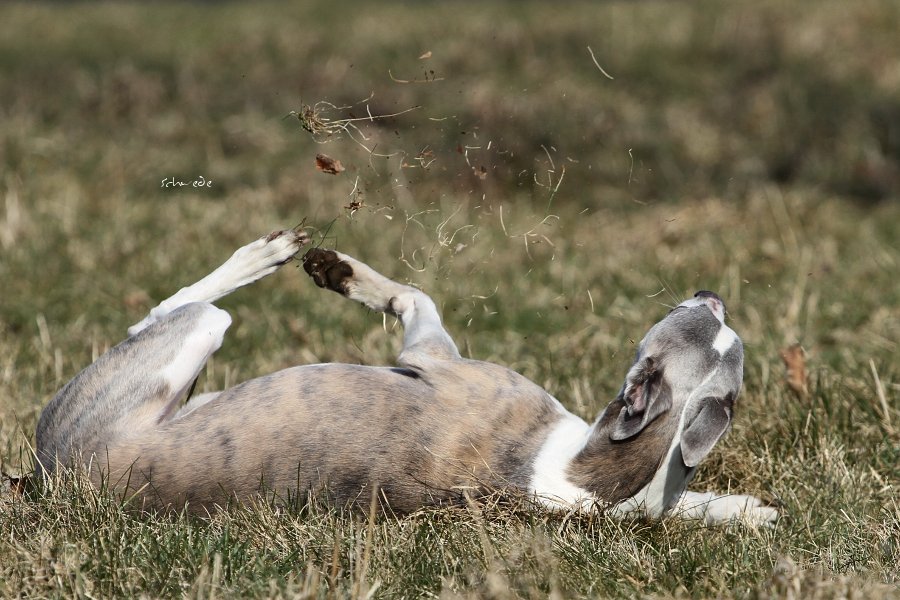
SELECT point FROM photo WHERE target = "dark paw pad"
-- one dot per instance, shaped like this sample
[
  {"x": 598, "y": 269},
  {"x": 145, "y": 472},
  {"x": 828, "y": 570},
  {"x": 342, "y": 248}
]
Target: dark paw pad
[{"x": 327, "y": 270}]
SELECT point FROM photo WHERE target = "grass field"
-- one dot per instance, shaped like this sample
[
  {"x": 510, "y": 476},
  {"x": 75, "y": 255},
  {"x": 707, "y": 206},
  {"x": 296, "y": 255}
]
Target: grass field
[{"x": 554, "y": 177}]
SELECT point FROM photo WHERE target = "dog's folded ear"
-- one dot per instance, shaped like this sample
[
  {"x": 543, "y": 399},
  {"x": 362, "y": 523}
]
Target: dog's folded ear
[
  {"x": 706, "y": 428},
  {"x": 646, "y": 396}
]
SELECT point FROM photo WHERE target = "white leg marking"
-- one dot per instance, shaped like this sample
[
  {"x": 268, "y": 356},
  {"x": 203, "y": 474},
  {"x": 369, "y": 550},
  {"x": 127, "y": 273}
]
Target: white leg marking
[
  {"x": 248, "y": 264},
  {"x": 549, "y": 483},
  {"x": 415, "y": 309},
  {"x": 713, "y": 509},
  {"x": 421, "y": 322},
  {"x": 197, "y": 346},
  {"x": 369, "y": 287}
]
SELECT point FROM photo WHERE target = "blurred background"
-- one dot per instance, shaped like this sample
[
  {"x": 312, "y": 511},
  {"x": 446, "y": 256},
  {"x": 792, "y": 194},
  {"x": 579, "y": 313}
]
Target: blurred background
[{"x": 639, "y": 101}]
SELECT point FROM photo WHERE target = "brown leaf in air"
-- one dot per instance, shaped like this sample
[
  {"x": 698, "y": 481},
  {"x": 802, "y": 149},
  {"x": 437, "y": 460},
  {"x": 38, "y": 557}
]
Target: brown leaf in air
[
  {"x": 329, "y": 165},
  {"x": 12, "y": 485},
  {"x": 426, "y": 55},
  {"x": 796, "y": 377},
  {"x": 480, "y": 172}
]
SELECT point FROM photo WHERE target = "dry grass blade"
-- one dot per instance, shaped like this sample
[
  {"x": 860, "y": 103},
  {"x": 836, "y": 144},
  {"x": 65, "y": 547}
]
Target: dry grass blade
[
  {"x": 882, "y": 399},
  {"x": 316, "y": 121}
]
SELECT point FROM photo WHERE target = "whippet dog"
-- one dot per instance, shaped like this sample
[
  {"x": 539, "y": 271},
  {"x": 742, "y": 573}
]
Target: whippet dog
[{"x": 435, "y": 429}]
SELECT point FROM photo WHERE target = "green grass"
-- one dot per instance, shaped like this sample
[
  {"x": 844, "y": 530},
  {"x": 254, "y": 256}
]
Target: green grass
[{"x": 749, "y": 148}]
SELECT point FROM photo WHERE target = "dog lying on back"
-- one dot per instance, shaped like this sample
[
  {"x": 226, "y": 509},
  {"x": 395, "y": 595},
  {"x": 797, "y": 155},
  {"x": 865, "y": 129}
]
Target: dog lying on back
[{"x": 435, "y": 429}]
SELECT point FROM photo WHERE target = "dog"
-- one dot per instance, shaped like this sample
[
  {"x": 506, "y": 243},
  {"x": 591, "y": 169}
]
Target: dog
[{"x": 436, "y": 429}]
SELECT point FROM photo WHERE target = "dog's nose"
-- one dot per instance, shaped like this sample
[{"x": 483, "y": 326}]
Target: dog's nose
[
  {"x": 707, "y": 294},
  {"x": 715, "y": 303}
]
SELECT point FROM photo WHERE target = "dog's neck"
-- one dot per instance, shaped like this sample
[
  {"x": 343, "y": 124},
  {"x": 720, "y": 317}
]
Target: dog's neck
[{"x": 615, "y": 470}]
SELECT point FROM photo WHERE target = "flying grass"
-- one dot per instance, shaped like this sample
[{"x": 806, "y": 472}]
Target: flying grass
[{"x": 315, "y": 120}]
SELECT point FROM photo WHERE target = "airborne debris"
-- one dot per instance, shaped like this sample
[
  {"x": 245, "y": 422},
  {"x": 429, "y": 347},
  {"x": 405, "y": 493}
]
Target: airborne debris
[
  {"x": 326, "y": 164},
  {"x": 316, "y": 121},
  {"x": 597, "y": 64},
  {"x": 796, "y": 377}
]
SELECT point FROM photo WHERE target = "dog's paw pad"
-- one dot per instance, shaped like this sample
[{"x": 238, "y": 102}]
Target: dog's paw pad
[{"x": 327, "y": 269}]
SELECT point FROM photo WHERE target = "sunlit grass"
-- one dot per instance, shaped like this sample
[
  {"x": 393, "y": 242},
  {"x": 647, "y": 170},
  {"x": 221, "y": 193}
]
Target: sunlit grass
[{"x": 552, "y": 212}]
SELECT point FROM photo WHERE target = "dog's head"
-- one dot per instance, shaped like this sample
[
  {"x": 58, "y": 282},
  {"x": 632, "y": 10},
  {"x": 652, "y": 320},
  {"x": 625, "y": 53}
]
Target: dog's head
[{"x": 689, "y": 365}]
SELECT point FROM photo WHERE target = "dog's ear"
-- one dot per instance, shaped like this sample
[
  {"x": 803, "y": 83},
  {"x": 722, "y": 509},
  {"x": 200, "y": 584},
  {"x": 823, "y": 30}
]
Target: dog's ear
[
  {"x": 646, "y": 396},
  {"x": 706, "y": 428}
]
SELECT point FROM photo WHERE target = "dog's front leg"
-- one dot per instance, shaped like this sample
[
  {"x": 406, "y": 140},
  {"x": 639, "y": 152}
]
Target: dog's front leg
[
  {"x": 424, "y": 336},
  {"x": 713, "y": 508}
]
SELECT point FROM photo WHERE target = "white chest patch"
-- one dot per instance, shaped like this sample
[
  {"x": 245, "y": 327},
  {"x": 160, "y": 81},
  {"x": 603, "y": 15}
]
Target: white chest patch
[
  {"x": 549, "y": 482},
  {"x": 724, "y": 340}
]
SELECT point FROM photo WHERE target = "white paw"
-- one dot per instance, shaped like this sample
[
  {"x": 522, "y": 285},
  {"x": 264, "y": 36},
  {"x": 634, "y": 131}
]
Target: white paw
[
  {"x": 265, "y": 255},
  {"x": 764, "y": 516},
  {"x": 746, "y": 509},
  {"x": 715, "y": 509}
]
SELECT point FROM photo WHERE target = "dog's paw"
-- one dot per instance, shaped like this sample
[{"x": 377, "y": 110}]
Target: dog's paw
[
  {"x": 262, "y": 257},
  {"x": 749, "y": 510},
  {"x": 327, "y": 269},
  {"x": 281, "y": 246},
  {"x": 714, "y": 509},
  {"x": 761, "y": 516}
]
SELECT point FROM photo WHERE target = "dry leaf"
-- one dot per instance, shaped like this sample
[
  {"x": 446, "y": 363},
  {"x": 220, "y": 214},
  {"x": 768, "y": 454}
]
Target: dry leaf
[
  {"x": 480, "y": 172},
  {"x": 326, "y": 164},
  {"x": 12, "y": 485},
  {"x": 425, "y": 56},
  {"x": 797, "y": 378}
]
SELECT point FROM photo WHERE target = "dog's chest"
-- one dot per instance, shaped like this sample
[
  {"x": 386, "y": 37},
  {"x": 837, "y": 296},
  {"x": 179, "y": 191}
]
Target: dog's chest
[{"x": 498, "y": 421}]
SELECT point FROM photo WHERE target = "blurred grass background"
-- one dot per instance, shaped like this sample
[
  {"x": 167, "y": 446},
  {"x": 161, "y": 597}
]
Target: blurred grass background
[{"x": 566, "y": 172}]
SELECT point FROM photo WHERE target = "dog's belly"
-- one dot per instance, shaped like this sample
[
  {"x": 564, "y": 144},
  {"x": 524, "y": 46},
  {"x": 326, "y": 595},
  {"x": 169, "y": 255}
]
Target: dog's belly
[{"x": 420, "y": 437}]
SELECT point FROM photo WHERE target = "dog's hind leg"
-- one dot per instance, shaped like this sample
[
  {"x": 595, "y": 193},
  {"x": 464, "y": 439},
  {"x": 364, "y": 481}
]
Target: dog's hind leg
[
  {"x": 133, "y": 387},
  {"x": 139, "y": 383},
  {"x": 248, "y": 264},
  {"x": 424, "y": 337}
]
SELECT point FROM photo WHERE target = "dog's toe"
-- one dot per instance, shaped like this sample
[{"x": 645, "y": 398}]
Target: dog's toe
[
  {"x": 281, "y": 246},
  {"x": 762, "y": 516}
]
